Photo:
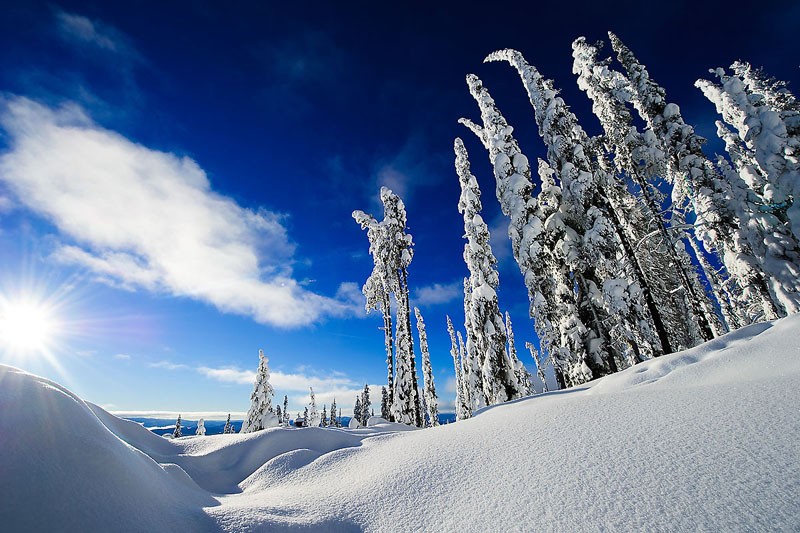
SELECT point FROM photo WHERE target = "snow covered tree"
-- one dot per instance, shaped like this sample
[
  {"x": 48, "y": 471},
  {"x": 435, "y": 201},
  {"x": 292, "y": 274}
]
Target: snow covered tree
[
  {"x": 636, "y": 156},
  {"x": 312, "y": 418},
  {"x": 618, "y": 303},
  {"x": 539, "y": 366},
  {"x": 766, "y": 168},
  {"x": 718, "y": 225},
  {"x": 279, "y": 414},
  {"x": 357, "y": 410},
  {"x": 228, "y": 426},
  {"x": 522, "y": 374},
  {"x": 260, "y": 415},
  {"x": 429, "y": 387},
  {"x": 460, "y": 402},
  {"x": 380, "y": 284},
  {"x": 334, "y": 422},
  {"x": 498, "y": 380},
  {"x": 366, "y": 404},
  {"x": 391, "y": 248},
  {"x": 324, "y": 420},
  {"x": 286, "y": 410},
  {"x": 201, "y": 428},
  {"x": 385, "y": 412},
  {"x": 554, "y": 305},
  {"x": 177, "y": 433}
]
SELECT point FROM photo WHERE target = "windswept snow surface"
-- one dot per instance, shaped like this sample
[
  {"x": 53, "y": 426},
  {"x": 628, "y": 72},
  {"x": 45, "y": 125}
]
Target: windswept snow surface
[{"x": 705, "y": 439}]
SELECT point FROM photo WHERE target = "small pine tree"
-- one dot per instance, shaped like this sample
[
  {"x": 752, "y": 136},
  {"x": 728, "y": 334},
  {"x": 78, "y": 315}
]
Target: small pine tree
[
  {"x": 365, "y": 405},
  {"x": 385, "y": 411},
  {"x": 201, "y": 428},
  {"x": 305, "y": 416},
  {"x": 261, "y": 413},
  {"x": 285, "y": 410},
  {"x": 324, "y": 421},
  {"x": 357, "y": 410},
  {"x": 279, "y": 414},
  {"x": 177, "y": 433},
  {"x": 334, "y": 422},
  {"x": 228, "y": 426},
  {"x": 312, "y": 418}
]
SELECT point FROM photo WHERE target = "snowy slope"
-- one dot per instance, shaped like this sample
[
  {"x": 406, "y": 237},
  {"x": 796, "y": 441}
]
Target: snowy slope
[{"x": 705, "y": 439}]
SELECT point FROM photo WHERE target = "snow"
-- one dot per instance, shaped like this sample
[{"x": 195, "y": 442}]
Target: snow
[{"x": 705, "y": 439}]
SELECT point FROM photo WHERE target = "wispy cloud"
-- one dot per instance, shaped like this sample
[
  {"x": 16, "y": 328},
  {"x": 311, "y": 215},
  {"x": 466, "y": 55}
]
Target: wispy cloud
[
  {"x": 122, "y": 356},
  {"x": 148, "y": 219},
  {"x": 168, "y": 365},
  {"x": 83, "y": 30},
  {"x": 439, "y": 293}
]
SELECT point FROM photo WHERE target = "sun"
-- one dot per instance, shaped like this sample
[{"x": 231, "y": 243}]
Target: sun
[{"x": 26, "y": 327}]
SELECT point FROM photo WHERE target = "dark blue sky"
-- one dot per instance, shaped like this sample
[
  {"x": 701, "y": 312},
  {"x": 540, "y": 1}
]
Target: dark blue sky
[{"x": 303, "y": 111}]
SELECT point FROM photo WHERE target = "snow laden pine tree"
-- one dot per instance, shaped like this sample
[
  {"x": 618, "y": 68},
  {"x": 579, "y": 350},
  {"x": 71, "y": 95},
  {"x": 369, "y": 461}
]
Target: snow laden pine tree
[
  {"x": 765, "y": 164},
  {"x": 228, "y": 426},
  {"x": 177, "y": 433},
  {"x": 357, "y": 411},
  {"x": 462, "y": 411},
  {"x": 312, "y": 418},
  {"x": 522, "y": 374},
  {"x": 334, "y": 421},
  {"x": 380, "y": 285},
  {"x": 391, "y": 249},
  {"x": 719, "y": 223},
  {"x": 366, "y": 405},
  {"x": 498, "y": 379},
  {"x": 385, "y": 413},
  {"x": 285, "y": 410},
  {"x": 429, "y": 388},
  {"x": 688, "y": 315},
  {"x": 619, "y": 305},
  {"x": 260, "y": 415},
  {"x": 201, "y": 428},
  {"x": 543, "y": 265}
]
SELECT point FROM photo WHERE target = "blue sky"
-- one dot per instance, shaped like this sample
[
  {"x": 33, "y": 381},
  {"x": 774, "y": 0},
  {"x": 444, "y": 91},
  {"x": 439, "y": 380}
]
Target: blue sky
[{"x": 176, "y": 179}]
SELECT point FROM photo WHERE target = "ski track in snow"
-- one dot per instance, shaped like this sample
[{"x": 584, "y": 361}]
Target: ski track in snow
[{"x": 705, "y": 440}]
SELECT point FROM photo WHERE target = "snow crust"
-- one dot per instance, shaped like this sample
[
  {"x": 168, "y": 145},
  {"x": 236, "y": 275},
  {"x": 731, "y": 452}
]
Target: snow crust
[{"x": 705, "y": 439}]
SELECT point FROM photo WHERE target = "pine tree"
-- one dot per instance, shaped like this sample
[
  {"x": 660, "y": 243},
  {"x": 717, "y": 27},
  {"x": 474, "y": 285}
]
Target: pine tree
[
  {"x": 334, "y": 422},
  {"x": 429, "y": 387},
  {"x": 260, "y": 415},
  {"x": 637, "y": 157},
  {"x": 765, "y": 171},
  {"x": 626, "y": 321},
  {"x": 380, "y": 284},
  {"x": 228, "y": 426},
  {"x": 279, "y": 414},
  {"x": 391, "y": 248},
  {"x": 357, "y": 410},
  {"x": 717, "y": 224},
  {"x": 559, "y": 317},
  {"x": 499, "y": 381},
  {"x": 385, "y": 411},
  {"x": 324, "y": 421},
  {"x": 177, "y": 433},
  {"x": 201, "y": 428},
  {"x": 312, "y": 417},
  {"x": 522, "y": 374},
  {"x": 539, "y": 366},
  {"x": 286, "y": 410},
  {"x": 460, "y": 403},
  {"x": 366, "y": 404}
]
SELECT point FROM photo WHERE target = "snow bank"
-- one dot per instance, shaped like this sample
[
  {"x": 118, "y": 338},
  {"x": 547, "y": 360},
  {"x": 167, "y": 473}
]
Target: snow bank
[{"x": 705, "y": 439}]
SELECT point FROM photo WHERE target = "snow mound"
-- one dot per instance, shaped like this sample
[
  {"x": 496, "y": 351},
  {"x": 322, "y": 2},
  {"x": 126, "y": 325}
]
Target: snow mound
[{"x": 705, "y": 439}]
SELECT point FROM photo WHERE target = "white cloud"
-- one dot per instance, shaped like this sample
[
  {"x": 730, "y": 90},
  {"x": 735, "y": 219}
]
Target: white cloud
[
  {"x": 142, "y": 218},
  {"x": 82, "y": 29},
  {"x": 438, "y": 293},
  {"x": 122, "y": 357},
  {"x": 185, "y": 415},
  {"x": 229, "y": 375},
  {"x": 168, "y": 365}
]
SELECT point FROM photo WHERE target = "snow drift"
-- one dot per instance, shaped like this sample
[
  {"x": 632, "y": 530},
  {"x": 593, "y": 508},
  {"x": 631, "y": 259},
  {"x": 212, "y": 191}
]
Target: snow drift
[{"x": 705, "y": 439}]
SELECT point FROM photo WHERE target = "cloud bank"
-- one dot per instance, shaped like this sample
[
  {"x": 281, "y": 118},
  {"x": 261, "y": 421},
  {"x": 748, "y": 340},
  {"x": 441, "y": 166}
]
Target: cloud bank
[{"x": 142, "y": 218}]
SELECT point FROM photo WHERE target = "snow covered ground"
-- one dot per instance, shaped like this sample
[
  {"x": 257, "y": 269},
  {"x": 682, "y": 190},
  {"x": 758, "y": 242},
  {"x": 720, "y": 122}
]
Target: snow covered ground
[{"x": 707, "y": 439}]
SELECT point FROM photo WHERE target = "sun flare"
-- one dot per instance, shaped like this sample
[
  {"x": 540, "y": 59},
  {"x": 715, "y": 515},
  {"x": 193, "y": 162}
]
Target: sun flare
[{"x": 26, "y": 327}]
